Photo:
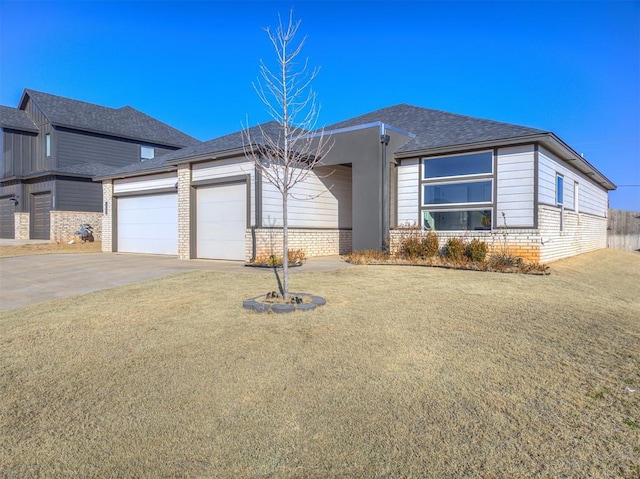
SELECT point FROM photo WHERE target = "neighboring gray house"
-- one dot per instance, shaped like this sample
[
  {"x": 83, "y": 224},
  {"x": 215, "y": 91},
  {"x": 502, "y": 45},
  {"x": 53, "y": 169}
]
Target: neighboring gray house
[
  {"x": 398, "y": 166},
  {"x": 51, "y": 147}
]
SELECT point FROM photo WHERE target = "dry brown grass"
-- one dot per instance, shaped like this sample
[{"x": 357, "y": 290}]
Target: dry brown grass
[
  {"x": 406, "y": 372},
  {"x": 49, "y": 248}
]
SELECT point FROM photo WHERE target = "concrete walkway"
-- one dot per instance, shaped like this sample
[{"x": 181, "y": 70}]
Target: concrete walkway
[{"x": 33, "y": 279}]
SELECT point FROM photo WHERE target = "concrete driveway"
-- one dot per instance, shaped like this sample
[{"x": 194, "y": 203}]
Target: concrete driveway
[{"x": 33, "y": 279}]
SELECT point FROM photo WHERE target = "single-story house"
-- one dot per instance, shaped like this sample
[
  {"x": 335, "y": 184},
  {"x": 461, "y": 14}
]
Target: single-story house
[
  {"x": 51, "y": 147},
  {"x": 398, "y": 166}
]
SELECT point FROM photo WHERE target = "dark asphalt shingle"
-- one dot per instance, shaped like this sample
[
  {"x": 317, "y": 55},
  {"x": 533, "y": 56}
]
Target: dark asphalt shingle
[
  {"x": 16, "y": 119},
  {"x": 434, "y": 128},
  {"x": 125, "y": 122},
  {"x": 89, "y": 169}
]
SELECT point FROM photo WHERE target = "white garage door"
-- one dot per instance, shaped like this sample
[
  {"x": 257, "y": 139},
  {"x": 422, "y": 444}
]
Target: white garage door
[
  {"x": 148, "y": 224},
  {"x": 221, "y": 221}
]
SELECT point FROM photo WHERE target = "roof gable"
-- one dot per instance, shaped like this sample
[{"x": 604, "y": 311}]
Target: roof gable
[{"x": 125, "y": 122}]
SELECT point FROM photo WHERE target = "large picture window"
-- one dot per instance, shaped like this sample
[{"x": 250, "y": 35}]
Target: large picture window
[
  {"x": 457, "y": 192},
  {"x": 459, "y": 165},
  {"x": 458, "y": 220}
]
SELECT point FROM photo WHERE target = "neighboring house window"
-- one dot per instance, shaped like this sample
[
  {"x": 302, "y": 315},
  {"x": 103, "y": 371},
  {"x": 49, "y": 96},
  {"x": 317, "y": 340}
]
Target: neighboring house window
[
  {"x": 559, "y": 190},
  {"x": 146, "y": 152},
  {"x": 47, "y": 144},
  {"x": 457, "y": 192}
]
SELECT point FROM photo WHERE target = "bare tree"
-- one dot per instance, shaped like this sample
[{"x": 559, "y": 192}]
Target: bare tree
[{"x": 288, "y": 157}]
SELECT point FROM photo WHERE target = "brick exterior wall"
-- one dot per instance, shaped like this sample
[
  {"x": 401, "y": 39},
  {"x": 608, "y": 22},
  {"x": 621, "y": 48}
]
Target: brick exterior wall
[
  {"x": 107, "y": 219},
  {"x": 21, "y": 226},
  {"x": 314, "y": 242},
  {"x": 184, "y": 211},
  {"x": 65, "y": 223},
  {"x": 580, "y": 233}
]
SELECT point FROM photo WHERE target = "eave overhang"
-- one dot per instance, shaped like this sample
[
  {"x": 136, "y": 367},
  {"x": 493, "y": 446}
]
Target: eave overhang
[{"x": 548, "y": 140}]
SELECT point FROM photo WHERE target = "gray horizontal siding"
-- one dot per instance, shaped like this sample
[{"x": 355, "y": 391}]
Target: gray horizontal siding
[
  {"x": 78, "y": 195},
  {"x": 74, "y": 147},
  {"x": 161, "y": 151}
]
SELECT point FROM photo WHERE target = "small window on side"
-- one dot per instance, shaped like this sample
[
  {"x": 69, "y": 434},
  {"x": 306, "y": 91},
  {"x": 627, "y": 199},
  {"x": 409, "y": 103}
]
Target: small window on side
[
  {"x": 559, "y": 190},
  {"x": 47, "y": 144},
  {"x": 146, "y": 152}
]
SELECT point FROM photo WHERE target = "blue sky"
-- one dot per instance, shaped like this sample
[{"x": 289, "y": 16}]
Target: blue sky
[{"x": 569, "y": 67}]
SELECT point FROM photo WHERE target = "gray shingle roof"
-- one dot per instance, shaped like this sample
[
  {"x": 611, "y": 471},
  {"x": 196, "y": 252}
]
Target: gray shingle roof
[
  {"x": 125, "y": 122},
  {"x": 435, "y": 129},
  {"x": 233, "y": 141},
  {"x": 159, "y": 162},
  {"x": 87, "y": 169},
  {"x": 16, "y": 119}
]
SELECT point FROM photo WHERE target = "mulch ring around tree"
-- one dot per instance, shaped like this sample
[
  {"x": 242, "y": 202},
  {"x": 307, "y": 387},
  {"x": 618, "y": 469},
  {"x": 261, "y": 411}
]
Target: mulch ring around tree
[{"x": 273, "y": 302}]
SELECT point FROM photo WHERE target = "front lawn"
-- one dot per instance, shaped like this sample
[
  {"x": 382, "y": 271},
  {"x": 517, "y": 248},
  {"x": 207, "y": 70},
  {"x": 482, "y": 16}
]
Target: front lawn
[
  {"x": 7, "y": 251},
  {"x": 406, "y": 372}
]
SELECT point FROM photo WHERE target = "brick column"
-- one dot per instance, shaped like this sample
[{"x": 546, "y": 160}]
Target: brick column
[
  {"x": 107, "y": 219},
  {"x": 21, "y": 223},
  {"x": 184, "y": 211}
]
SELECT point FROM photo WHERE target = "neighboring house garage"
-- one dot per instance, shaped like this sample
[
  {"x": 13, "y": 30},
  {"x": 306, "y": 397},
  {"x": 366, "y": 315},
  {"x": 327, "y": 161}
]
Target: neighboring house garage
[
  {"x": 7, "y": 220},
  {"x": 41, "y": 216},
  {"x": 221, "y": 221}
]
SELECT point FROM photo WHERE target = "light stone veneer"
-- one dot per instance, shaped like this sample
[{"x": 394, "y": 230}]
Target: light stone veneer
[
  {"x": 107, "y": 218},
  {"x": 314, "y": 242},
  {"x": 184, "y": 211},
  {"x": 64, "y": 224}
]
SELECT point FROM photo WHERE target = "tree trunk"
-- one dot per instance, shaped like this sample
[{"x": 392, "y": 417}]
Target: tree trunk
[{"x": 285, "y": 248}]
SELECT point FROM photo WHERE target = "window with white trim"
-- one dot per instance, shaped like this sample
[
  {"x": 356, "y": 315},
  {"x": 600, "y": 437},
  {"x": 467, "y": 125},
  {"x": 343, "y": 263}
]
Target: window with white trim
[
  {"x": 47, "y": 144},
  {"x": 146, "y": 152},
  {"x": 559, "y": 190},
  {"x": 457, "y": 192}
]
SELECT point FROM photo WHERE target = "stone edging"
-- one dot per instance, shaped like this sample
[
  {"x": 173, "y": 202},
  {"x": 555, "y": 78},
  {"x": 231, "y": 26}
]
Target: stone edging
[{"x": 280, "y": 308}]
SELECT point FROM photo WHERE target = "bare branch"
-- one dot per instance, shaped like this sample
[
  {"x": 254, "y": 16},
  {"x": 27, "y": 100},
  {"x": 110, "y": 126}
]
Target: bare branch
[{"x": 286, "y": 158}]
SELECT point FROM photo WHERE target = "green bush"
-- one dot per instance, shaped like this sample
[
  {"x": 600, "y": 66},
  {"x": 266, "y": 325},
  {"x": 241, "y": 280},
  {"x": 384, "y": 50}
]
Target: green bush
[
  {"x": 476, "y": 250},
  {"x": 454, "y": 250}
]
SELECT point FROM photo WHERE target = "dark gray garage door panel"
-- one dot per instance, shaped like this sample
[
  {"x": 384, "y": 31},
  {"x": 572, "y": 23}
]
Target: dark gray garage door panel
[
  {"x": 40, "y": 216},
  {"x": 7, "y": 222}
]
